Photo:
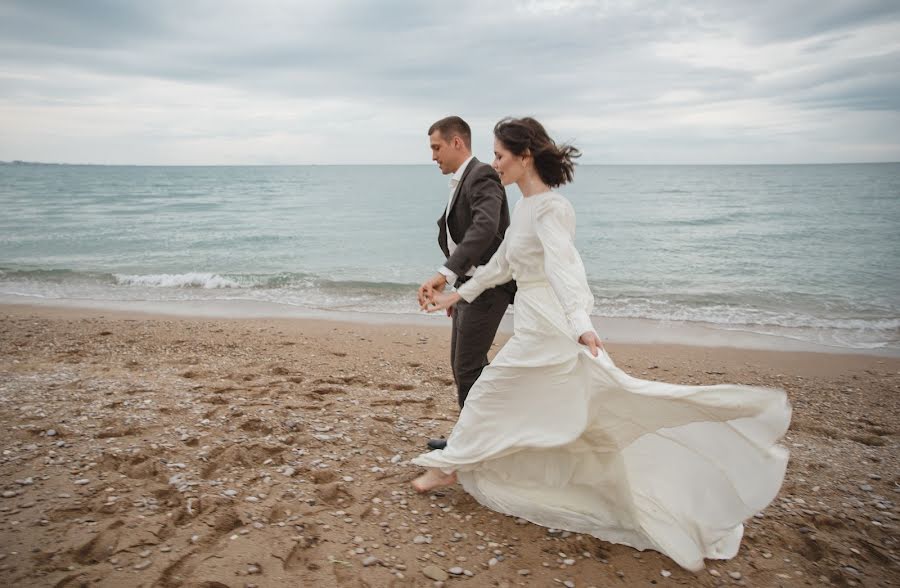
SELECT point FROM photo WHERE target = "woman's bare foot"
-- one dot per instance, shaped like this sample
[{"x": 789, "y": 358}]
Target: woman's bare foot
[{"x": 431, "y": 479}]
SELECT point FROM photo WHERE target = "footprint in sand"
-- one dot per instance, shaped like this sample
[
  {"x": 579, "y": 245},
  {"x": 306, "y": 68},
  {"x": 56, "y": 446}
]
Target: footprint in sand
[
  {"x": 256, "y": 426},
  {"x": 101, "y": 546},
  {"x": 396, "y": 386}
]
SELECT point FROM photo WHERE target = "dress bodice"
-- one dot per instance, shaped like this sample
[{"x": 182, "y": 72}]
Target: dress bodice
[{"x": 539, "y": 247}]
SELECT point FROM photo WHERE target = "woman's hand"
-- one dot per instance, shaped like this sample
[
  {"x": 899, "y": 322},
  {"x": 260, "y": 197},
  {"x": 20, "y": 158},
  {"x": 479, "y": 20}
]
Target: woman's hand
[
  {"x": 593, "y": 342},
  {"x": 442, "y": 301}
]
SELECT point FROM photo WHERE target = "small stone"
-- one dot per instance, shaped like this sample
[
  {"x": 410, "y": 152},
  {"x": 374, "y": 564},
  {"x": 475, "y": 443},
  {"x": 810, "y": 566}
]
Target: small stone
[
  {"x": 435, "y": 573},
  {"x": 665, "y": 573},
  {"x": 82, "y": 482},
  {"x": 370, "y": 561},
  {"x": 420, "y": 539},
  {"x": 735, "y": 575},
  {"x": 569, "y": 562},
  {"x": 50, "y": 433},
  {"x": 456, "y": 571},
  {"x": 874, "y": 477},
  {"x": 348, "y": 478},
  {"x": 143, "y": 565},
  {"x": 253, "y": 569},
  {"x": 9, "y": 494},
  {"x": 714, "y": 573},
  {"x": 524, "y": 572},
  {"x": 569, "y": 584},
  {"x": 493, "y": 561},
  {"x": 865, "y": 487}
]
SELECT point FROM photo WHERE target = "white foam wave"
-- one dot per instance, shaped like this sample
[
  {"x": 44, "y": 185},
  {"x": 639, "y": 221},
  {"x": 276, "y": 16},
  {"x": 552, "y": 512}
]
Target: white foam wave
[{"x": 189, "y": 280}]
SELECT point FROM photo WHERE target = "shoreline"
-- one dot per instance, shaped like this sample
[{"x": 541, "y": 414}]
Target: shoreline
[
  {"x": 194, "y": 451},
  {"x": 629, "y": 331}
]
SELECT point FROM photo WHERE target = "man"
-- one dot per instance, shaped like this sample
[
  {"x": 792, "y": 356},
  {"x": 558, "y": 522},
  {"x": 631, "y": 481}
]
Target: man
[{"x": 470, "y": 231}]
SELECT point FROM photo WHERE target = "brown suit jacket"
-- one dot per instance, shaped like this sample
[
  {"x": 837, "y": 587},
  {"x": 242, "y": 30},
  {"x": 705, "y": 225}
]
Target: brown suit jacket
[{"x": 479, "y": 217}]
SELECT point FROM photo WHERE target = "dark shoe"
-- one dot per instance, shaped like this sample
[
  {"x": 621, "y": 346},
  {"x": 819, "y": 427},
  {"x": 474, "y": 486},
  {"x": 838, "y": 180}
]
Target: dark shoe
[{"x": 437, "y": 443}]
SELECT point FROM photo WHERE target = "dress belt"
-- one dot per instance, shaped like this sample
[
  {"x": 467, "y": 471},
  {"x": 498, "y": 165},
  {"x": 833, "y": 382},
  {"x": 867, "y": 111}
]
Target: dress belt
[{"x": 532, "y": 284}]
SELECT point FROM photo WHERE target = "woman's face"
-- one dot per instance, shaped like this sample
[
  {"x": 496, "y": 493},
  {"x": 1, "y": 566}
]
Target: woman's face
[{"x": 510, "y": 167}]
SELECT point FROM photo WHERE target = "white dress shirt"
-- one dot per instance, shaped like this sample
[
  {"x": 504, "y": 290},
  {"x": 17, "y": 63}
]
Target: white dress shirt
[{"x": 451, "y": 244}]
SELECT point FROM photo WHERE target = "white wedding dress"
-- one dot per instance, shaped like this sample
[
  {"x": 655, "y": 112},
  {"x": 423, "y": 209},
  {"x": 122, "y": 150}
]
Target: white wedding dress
[{"x": 556, "y": 436}]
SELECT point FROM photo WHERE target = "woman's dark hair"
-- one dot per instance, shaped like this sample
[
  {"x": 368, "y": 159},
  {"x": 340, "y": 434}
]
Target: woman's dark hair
[{"x": 553, "y": 163}]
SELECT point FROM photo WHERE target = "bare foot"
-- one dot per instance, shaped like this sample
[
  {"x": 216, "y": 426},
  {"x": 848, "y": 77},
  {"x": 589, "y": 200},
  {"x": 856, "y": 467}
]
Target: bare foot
[{"x": 431, "y": 479}]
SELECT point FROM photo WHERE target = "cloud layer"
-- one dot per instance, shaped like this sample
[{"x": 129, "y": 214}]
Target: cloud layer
[{"x": 201, "y": 82}]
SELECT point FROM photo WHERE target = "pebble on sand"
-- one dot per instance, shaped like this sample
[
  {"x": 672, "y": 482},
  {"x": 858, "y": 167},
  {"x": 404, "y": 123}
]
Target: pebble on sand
[{"x": 435, "y": 573}]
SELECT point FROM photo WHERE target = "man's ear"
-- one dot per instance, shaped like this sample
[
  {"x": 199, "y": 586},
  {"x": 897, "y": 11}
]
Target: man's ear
[{"x": 458, "y": 142}]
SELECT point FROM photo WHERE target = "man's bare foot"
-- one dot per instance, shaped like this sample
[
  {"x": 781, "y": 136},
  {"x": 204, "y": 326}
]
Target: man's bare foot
[{"x": 431, "y": 479}]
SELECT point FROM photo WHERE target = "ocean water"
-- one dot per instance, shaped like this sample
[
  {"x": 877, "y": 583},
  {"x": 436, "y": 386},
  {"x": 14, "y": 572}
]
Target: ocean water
[{"x": 809, "y": 252}]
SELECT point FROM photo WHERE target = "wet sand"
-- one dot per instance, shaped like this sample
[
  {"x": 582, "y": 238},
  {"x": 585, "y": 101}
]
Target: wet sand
[{"x": 149, "y": 450}]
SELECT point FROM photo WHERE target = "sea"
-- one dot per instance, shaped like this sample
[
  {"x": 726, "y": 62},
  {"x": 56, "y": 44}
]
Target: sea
[{"x": 802, "y": 253}]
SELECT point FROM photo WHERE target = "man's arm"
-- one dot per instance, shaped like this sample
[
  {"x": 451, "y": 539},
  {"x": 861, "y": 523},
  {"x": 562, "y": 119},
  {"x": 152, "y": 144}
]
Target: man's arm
[{"x": 487, "y": 197}]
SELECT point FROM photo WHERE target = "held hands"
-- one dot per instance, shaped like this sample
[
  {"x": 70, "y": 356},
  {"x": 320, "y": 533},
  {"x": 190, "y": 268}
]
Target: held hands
[
  {"x": 429, "y": 287},
  {"x": 593, "y": 342},
  {"x": 441, "y": 301},
  {"x": 432, "y": 298}
]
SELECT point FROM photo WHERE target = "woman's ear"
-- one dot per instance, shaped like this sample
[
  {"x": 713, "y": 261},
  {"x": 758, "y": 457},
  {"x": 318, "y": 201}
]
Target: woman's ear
[{"x": 526, "y": 157}]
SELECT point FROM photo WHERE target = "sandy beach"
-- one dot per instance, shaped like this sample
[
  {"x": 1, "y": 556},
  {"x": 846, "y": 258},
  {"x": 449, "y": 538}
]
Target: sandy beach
[{"x": 151, "y": 450}]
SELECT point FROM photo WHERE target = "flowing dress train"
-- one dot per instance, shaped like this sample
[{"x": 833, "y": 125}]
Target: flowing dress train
[{"x": 556, "y": 436}]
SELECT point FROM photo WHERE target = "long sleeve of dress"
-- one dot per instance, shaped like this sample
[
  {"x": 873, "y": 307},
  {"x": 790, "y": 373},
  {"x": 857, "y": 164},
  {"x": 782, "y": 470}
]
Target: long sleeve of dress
[
  {"x": 495, "y": 272},
  {"x": 554, "y": 223}
]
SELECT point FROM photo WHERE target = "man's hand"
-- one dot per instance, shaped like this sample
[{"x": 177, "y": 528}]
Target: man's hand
[
  {"x": 443, "y": 301},
  {"x": 593, "y": 342},
  {"x": 427, "y": 290}
]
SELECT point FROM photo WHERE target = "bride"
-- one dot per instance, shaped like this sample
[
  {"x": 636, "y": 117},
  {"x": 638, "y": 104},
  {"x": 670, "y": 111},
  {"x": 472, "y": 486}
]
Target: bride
[{"x": 553, "y": 432}]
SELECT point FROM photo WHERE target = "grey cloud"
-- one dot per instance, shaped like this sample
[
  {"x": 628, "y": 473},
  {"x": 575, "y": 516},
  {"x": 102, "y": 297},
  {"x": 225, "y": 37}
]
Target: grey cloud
[
  {"x": 779, "y": 20},
  {"x": 482, "y": 59},
  {"x": 93, "y": 24}
]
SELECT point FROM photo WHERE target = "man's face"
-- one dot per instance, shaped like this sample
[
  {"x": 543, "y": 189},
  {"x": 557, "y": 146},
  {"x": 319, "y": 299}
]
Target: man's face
[{"x": 445, "y": 153}]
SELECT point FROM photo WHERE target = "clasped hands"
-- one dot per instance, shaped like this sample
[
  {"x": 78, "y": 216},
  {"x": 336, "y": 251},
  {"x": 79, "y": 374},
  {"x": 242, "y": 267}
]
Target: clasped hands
[{"x": 432, "y": 297}]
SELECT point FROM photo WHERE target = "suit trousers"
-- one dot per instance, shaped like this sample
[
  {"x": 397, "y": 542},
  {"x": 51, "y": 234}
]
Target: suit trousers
[{"x": 474, "y": 326}]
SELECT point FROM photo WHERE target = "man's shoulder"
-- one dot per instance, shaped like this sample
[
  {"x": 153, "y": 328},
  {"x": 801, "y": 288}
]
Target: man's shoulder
[{"x": 479, "y": 170}]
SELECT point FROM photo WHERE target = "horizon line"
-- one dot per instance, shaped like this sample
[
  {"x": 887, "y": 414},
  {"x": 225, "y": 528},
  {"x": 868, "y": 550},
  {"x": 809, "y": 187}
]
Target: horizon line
[{"x": 49, "y": 163}]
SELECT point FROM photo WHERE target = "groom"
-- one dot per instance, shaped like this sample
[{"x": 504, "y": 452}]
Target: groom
[{"x": 470, "y": 231}]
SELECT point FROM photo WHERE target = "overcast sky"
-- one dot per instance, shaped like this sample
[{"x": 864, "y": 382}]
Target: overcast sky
[{"x": 335, "y": 81}]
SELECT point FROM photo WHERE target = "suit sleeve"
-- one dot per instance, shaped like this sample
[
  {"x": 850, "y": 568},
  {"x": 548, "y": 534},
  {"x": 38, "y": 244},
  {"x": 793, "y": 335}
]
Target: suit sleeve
[
  {"x": 554, "y": 223},
  {"x": 486, "y": 196}
]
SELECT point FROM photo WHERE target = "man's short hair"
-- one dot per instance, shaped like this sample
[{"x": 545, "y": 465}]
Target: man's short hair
[{"x": 452, "y": 126}]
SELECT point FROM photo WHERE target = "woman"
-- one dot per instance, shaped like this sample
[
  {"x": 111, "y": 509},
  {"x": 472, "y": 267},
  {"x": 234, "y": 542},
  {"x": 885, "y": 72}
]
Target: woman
[{"x": 555, "y": 433}]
